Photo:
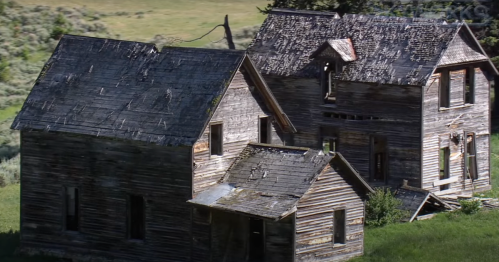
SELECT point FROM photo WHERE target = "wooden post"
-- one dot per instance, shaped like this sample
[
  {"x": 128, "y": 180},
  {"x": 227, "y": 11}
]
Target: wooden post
[
  {"x": 228, "y": 33},
  {"x": 495, "y": 109}
]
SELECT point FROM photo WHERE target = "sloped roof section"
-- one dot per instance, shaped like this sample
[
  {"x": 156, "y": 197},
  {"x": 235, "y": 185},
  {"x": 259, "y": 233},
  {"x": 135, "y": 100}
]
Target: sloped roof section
[
  {"x": 414, "y": 199},
  {"x": 266, "y": 181},
  {"x": 389, "y": 50},
  {"x": 128, "y": 90},
  {"x": 342, "y": 48},
  {"x": 461, "y": 50}
]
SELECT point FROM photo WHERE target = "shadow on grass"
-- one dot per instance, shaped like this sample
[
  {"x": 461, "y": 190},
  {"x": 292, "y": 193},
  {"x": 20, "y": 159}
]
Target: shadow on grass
[{"x": 9, "y": 242}]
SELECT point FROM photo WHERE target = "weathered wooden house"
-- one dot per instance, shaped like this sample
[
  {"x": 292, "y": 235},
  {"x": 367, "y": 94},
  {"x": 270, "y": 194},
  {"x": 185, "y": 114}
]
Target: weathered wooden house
[
  {"x": 117, "y": 137},
  {"x": 400, "y": 98}
]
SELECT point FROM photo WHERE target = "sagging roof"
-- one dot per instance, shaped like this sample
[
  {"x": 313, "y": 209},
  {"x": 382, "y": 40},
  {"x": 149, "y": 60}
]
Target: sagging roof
[
  {"x": 130, "y": 90},
  {"x": 413, "y": 200},
  {"x": 389, "y": 50},
  {"x": 268, "y": 181}
]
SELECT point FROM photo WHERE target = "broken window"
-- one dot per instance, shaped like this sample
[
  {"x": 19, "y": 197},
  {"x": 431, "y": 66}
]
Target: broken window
[
  {"x": 469, "y": 92},
  {"x": 378, "y": 159},
  {"x": 216, "y": 139},
  {"x": 444, "y": 166},
  {"x": 470, "y": 166},
  {"x": 339, "y": 227},
  {"x": 331, "y": 71},
  {"x": 264, "y": 130},
  {"x": 72, "y": 199},
  {"x": 444, "y": 89},
  {"x": 329, "y": 144},
  {"x": 257, "y": 240},
  {"x": 136, "y": 217}
]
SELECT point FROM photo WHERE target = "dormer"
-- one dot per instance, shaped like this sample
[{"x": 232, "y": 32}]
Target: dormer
[{"x": 333, "y": 55}]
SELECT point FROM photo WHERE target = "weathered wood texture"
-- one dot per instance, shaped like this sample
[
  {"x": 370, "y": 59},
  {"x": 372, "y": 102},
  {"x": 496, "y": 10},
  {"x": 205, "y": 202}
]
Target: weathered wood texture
[
  {"x": 440, "y": 124},
  {"x": 314, "y": 220},
  {"x": 462, "y": 49},
  {"x": 361, "y": 110},
  {"x": 239, "y": 111},
  {"x": 105, "y": 172},
  {"x": 230, "y": 238}
]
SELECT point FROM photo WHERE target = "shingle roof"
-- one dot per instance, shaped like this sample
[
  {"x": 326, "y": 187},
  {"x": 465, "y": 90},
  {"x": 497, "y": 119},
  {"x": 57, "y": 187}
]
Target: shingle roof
[
  {"x": 128, "y": 90},
  {"x": 389, "y": 50},
  {"x": 266, "y": 181}
]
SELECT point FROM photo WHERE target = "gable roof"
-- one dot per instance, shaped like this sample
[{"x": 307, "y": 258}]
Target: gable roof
[
  {"x": 389, "y": 50},
  {"x": 341, "y": 47},
  {"x": 268, "y": 181},
  {"x": 130, "y": 90},
  {"x": 413, "y": 199}
]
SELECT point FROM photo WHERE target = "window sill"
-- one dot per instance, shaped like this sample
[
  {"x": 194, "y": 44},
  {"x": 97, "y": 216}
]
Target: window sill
[
  {"x": 329, "y": 105},
  {"x": 455, "y": 107},
  {"x": 338, "y": 245}
]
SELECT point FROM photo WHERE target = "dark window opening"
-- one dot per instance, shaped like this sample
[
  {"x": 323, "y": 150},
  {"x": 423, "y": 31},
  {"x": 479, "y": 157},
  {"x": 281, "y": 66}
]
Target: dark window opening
[
  {"x": 444, "y": 92},
  {"x": 72, "y": 208},
  {"x": 470, "y": 165},
  {"x": 339, "y": 227},
  {"x": 378, "y": 159},
  {"x": 329, "y": 144},
  {"x": 330, "y": 73},
  {"x": 444, "y": 166},
  {"x": 136, "y": 217},
  {"x": 256, "y": 241},
  {"x": 216, "y": 139},
  {"x": 469, "y": 92},
  {"x": 264, "y": 128}
]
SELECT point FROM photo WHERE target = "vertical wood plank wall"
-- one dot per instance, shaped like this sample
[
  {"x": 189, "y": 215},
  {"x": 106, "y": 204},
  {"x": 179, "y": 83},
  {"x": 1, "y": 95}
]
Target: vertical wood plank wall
[
  {"x": 105, "y": 171},
  {"x": 239, "y": 111},
  {"x": 440, "y": 124},
  {"x": 314, "y": 220},
  {"x": 396, "y": 112}
]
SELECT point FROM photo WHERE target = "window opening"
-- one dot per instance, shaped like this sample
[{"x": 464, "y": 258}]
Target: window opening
[
  {"x": 339, "y": 228},
  {"x": 264, "y": 136},
  {"x": 329, "y": 144},
  {"x": 330, "y": 71},
  {"x": 136, "y": 217},
  {"x": 469, "y": 92},
  {"x": 72, "y": 208},
  {"x": 257, "y": 240},
  {"x": 216, "y": 139},
  {"x": 470, "y": 165},
  {"x": 444, "y": 166},
  {"x": 379, "y": 159},
  {"x": 444, "y": 91}
]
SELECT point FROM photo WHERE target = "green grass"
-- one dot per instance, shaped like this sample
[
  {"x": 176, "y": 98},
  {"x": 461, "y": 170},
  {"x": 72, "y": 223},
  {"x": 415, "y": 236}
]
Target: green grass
[
  {"x": 448, "y": 237},
  {"x": 9, "y": 112},
  {"x": 186, "y": 19}
]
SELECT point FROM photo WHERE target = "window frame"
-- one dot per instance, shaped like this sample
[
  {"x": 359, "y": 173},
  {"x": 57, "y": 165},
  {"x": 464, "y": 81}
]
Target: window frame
[
  {"x": 444, "y": 83},
  {"x": 344, "y": 230},
  {"x": 221, "y": 142},
  {"x": 268, "y": 131},
  {"x": 470, "y": 157},
  {"x": 469, "y": 80},
  {"x": 329, "y": 81},
  {"x": 446, "y": 163},
  {"x": 77, "y": 209}
]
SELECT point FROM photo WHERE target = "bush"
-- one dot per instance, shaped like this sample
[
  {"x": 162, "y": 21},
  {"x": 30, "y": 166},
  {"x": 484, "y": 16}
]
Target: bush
[
  {"x": 471, "y": 206},
  {"x": 10, "y": 172},
  {"x": 382, "y": 208}
]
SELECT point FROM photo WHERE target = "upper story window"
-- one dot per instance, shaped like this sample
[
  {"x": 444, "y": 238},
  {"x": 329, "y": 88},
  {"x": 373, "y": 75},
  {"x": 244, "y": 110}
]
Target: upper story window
[
  {"x": 216, "y": 139},
  {"x": 457, "y": 87},
  {"x": 331, "y": 71},
  {"x": 264, "y": 130}
]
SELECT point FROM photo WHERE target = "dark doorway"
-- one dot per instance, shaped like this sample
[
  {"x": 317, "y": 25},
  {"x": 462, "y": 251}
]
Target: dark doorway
[
  {"x": 264, "y": 130},
  {"x": 379, "y": 159},
  {"x": 136, "y": 217},
  {"x": 339, "y": 227},
  {"x": 256, "y": 240},
  {"x": 72, "y": 208}
]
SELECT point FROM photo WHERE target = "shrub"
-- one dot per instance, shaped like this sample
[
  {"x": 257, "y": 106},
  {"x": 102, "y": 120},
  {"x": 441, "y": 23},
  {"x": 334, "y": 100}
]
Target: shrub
[
  {"x": 10, "y": 171},
  {"x": 382, "y": 208},
  {"x": 471, "y": 206}
]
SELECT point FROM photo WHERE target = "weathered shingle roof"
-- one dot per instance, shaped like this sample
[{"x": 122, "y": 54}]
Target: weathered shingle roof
[
  {"x": 267, "y": 181},
  {"x": 128, "y": 90},
  {"x": 389, "y": 49}
]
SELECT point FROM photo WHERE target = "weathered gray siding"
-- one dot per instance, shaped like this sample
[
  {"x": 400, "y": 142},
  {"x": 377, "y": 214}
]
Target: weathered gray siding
[
  {"x": 439, "y": 124},
  {"x": 314, "y": 220},
  {"x": 361, "y": 110},
  {"x": 239, "y": 111},
  {"x": 105, "y": 171}
]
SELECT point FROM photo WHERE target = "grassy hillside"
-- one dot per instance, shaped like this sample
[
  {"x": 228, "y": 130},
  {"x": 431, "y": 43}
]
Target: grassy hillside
[{"x": 186, "y": 19}]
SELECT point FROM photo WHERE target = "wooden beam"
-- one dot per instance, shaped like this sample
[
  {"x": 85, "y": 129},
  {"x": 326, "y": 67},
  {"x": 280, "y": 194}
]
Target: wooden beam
[{"x": 445, "y": 181}]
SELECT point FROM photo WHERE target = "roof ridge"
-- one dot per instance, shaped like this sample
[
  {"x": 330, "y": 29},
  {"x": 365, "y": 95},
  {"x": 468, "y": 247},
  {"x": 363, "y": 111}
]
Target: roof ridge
[{"x": 305, "y": 12}]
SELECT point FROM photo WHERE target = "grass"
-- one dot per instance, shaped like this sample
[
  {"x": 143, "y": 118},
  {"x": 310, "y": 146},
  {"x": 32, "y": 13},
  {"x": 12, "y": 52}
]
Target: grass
[
  {"x": 9, "y": 112},
  {"x": 186, "y": 19},
  {"x": 447, "y": 237}
]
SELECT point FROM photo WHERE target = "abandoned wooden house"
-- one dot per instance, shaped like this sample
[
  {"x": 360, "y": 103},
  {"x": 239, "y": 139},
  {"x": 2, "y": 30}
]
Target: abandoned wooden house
[
  {"x": 121, "y": 141},
  {"x": 400, "y": 98}
]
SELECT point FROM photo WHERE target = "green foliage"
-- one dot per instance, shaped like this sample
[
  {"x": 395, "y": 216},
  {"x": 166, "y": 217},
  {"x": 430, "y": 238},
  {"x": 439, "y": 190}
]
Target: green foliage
[
  {"x": 58, "y": 32},
  {"x": 2, "y": 7},
  {"x": 382, "y": 208},
  {"x": 443, "y": 239},
  {"x": 4, "y": 70},
  {"x": 10, "y": 171},
  {"x": 471, "y": 206}
]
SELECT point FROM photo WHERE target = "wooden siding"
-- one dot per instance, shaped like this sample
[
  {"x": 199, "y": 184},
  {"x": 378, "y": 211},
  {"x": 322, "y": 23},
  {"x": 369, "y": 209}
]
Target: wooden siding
[
  {"x": 361, "y": 110},
  {"x": 239, "y": 111},
  {"x": 105, "y": 171},
  {"x": 441, "y": 123},
  {"x": 314, "y": 220},
  {"x": 230, "y": 238}
]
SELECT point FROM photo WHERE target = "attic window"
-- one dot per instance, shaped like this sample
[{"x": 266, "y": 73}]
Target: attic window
[
  {"x": 330, "y": 73},
  {"x": 469, "y": 89},
  {"x": 264, "y": 130},
  {"x": 216, "y": 139}
]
